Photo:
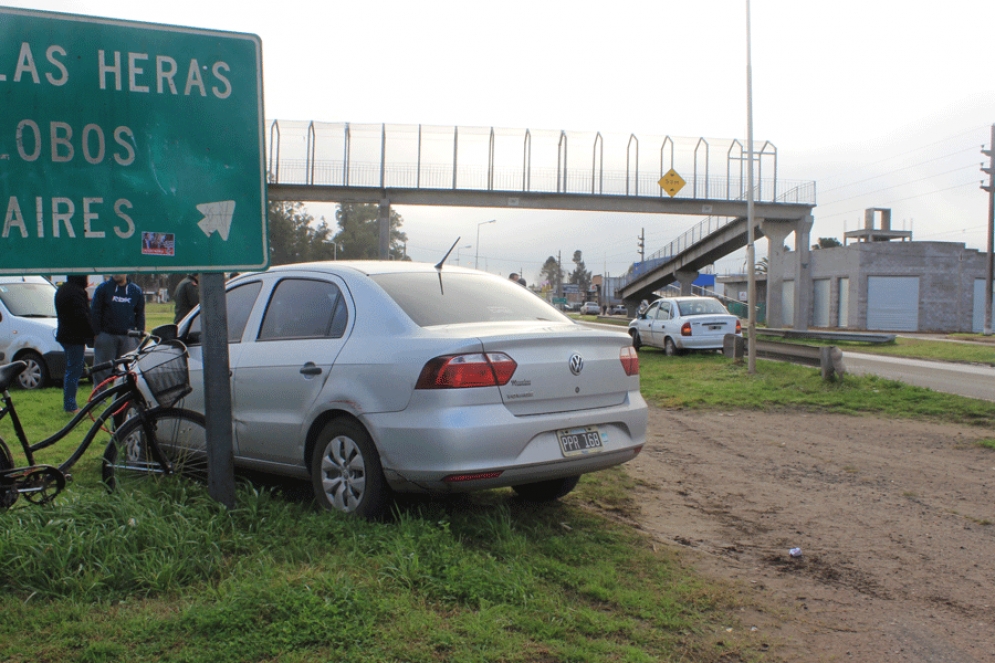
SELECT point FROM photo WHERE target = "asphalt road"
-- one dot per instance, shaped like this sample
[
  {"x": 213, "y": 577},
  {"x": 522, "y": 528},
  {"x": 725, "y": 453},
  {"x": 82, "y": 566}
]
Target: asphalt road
[{"x": 962, "y": 379}]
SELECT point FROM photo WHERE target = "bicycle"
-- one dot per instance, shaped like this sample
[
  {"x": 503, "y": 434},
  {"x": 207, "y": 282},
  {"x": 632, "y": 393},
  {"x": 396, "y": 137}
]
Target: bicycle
[{"x": 151, "y": 438}]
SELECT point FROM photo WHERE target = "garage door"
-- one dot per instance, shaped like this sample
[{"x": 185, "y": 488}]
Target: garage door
[
  {"x": 844, "y": 312},
  {"x": 978, "y": 319},
  {"x": 820, "y": 303},
  {"x": 893, "y": 303}
]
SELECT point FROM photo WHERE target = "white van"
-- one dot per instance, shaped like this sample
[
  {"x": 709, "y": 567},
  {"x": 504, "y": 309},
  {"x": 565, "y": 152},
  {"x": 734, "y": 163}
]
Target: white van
[{"x": 27, "y": 330}]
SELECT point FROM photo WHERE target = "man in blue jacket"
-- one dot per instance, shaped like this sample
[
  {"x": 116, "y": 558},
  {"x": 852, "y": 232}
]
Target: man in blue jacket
[{"x": 118, "y": 306}]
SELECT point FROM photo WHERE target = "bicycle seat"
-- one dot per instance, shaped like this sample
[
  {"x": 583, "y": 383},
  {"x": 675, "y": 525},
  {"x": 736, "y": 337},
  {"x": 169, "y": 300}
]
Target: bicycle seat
[{"x": 9, "y": 373}]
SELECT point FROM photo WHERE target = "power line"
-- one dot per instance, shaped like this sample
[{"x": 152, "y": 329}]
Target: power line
[
  {"x": 897, "y": 170},
  {"x": 899, "y": 200},
  {"x": 901, "y": 184},
  {"x": 928, "y": 145}
]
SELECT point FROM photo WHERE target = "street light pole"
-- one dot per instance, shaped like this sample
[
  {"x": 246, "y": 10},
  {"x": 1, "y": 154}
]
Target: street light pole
[
  {"x": 476, "y": 255},
  {"x": 468, "y": 246},
  {"x": 751, "y": 256}
]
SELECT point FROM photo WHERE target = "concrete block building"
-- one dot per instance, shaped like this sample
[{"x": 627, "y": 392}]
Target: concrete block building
[{"x": 880, "y": 284}]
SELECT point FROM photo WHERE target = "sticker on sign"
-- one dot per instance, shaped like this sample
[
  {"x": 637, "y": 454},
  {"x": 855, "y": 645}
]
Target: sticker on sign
[{"x": 116, "y": 135}]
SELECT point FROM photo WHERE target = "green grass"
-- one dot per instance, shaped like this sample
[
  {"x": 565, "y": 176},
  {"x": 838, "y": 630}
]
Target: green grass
[
  {"x": 987, "y": 444},
  {"x": 913, "y": 348},
  {"x": 158, "y": 314},
  {"x": 169, "y": 575},
  {"x": 712, "y": 381}
]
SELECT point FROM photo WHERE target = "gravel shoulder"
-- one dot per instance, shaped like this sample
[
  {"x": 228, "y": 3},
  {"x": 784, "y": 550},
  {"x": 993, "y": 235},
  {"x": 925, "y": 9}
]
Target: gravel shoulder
[{"x": 895, "y": 520}]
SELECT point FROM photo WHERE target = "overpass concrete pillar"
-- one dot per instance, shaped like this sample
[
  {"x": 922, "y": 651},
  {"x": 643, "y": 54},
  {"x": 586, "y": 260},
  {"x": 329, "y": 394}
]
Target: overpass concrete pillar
[
  {"x": 803, "y": 272},
  {"x": 776, "y": 232},
  {"x": 686, "y": 278}
]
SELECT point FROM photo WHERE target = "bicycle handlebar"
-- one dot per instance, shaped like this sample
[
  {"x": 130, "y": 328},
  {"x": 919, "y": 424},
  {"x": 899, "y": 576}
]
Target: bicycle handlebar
[{"x": 126, "y": 359}]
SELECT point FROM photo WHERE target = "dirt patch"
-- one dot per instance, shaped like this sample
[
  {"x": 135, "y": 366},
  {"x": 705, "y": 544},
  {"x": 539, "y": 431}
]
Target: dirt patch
[{"x": 895, "y": 521}]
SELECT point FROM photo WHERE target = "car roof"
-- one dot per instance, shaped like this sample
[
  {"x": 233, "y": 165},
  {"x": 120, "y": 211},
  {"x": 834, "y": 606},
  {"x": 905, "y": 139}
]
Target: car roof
[
  {"x": 686, "y": 298},
  {"x": 373, "y": 267},
  {"x": 7, "y": 280}
]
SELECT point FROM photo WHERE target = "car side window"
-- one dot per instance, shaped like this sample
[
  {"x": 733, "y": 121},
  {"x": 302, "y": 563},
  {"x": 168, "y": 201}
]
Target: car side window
[
  {"x": 239, "y": 302},
  {"x": 652, "y": 311},
  {"x": 664, "y": 311},
  {"x": 303, "y": 308}
]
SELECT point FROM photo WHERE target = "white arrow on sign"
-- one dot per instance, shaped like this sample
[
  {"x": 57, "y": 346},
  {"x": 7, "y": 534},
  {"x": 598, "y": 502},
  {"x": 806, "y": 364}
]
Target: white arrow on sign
[{"x": 217, "y": 217}]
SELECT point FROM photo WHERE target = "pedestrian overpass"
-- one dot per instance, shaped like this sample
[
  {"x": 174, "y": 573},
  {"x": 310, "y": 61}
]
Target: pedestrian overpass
[{"x": 553, "y": 170}]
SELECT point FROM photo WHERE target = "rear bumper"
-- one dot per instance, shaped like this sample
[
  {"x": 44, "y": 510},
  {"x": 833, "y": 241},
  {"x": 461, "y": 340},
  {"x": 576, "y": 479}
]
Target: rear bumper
[
  {"x": 700, "y": 342},
  {"x": 419, "y": 449}
]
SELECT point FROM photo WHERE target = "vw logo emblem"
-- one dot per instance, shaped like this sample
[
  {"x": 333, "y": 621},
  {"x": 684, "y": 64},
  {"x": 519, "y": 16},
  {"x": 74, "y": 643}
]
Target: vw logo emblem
[{"x": 576, "y": 363}]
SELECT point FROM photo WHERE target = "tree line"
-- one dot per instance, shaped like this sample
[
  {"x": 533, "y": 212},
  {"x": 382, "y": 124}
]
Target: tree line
[{"x": 294, "y": 236}]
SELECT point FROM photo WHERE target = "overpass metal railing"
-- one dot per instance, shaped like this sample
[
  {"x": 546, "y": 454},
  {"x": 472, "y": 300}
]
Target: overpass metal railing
[
  {"x": 705, "y": 227},
  {"x": 519, "y": 160}
]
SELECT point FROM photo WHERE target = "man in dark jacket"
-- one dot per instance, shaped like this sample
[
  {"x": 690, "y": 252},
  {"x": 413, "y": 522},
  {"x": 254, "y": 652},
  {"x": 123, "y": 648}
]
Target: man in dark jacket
[
  {"x": 118, "y": 306},
  {"x": 74, "y": 333},
  {"x": 186, "y": 296}
]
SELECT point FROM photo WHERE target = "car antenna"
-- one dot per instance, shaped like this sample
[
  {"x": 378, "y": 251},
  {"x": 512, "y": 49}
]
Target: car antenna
[{"x": 439, "y": 264}]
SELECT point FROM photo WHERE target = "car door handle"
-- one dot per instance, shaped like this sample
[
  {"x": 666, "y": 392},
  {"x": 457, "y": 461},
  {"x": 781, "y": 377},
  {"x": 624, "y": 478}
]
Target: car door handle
[{"x": 310, "y": 369}]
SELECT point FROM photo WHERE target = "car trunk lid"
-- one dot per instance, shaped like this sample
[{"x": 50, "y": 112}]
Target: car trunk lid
[{"x": 561, "y": 368}]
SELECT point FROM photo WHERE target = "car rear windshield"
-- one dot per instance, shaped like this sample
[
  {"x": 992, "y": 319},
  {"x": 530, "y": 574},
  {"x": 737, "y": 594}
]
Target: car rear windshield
[
  {"x": 454, "y": 298},
  {"x": 29, "y": 300},
  {"x": 700, "y": 307}
]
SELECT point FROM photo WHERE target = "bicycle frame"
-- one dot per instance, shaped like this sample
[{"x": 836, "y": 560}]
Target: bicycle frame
[{"x": 120, "y": 395}]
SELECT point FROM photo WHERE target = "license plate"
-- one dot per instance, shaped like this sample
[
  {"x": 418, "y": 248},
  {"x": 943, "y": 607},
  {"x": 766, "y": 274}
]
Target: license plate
[
  {"x": 714, "y": 327},
  {"x": 581, "y": 441}
]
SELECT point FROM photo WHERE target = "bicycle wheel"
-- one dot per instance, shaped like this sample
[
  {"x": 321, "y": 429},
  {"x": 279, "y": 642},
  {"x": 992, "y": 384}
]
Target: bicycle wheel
[{"x": 180, "y": 437}]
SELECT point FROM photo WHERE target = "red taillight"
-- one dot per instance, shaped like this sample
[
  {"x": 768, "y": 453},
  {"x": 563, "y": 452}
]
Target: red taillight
[
  {"x": 686, "y": 329},
  {"x": 739, "y": 326},
  {"x": 492, "y": 369},
  {"x": 630, "y": 360}
]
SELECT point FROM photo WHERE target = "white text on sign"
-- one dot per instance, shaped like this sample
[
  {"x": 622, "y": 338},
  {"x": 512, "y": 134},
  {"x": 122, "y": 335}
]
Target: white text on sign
[{"x": 131, "y": 71}]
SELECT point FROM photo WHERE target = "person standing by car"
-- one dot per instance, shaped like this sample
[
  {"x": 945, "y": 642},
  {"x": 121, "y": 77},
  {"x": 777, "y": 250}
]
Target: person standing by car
[
  {"x": 74, "y": 332},
  {"x": 118, "y": 307},
  {"x": 186, "y": 296}
]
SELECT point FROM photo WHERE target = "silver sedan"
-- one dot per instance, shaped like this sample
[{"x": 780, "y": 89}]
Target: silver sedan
[
  {"x": 676, "y": 324},
  {"x": 372, "y": 378}
]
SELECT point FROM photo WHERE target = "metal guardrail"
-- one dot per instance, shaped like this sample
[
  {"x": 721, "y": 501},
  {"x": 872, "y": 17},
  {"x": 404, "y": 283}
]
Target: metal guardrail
[
  {"x": 855, "y": 337},
  {"x": 827, "y": 358}
]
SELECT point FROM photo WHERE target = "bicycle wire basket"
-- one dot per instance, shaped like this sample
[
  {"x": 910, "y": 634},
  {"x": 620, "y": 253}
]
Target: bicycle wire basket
[{"x": 165, "y": 370}]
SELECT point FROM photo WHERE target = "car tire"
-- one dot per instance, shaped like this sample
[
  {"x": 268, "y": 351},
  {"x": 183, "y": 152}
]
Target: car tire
[
  {"x": 670, "y": 348},
  {"x": 345, "y": 471},
  {"x": 636, "y": 341},
  {"x": 547, "y": 491},
  {"x": 35, "y": 376}
]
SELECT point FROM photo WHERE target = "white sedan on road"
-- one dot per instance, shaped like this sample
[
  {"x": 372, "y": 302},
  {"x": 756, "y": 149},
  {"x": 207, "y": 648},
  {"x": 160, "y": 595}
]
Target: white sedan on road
[
  {"x": 684, "y": 323},
  {"x": 374, "y": 378}
]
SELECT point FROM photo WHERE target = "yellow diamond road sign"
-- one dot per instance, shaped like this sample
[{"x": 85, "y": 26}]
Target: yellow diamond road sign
[{"x": 671, "y": 182}]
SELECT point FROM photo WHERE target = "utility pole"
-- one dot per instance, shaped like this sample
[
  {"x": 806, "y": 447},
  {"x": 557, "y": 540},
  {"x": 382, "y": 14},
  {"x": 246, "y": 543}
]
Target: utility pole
[
  {"x": 642, "y": 245},
  {"x": 989, "y": 263},
  {"x": 751, "y": 256}
]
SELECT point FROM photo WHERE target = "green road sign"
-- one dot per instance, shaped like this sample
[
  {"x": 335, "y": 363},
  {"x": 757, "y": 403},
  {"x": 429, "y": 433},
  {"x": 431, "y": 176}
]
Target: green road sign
[{"x": 129, "y": 147}]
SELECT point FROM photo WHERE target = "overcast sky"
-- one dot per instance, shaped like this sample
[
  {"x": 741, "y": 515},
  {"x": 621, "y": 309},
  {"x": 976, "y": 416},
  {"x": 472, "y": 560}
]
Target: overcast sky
[{"x": 882, "y": 103}]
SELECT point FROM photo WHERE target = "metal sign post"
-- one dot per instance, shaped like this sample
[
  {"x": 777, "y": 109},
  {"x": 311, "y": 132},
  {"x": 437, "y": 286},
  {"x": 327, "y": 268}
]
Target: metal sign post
[
  {"x": 132, "y": 147},
  {"x": 217, "y": 389}
]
